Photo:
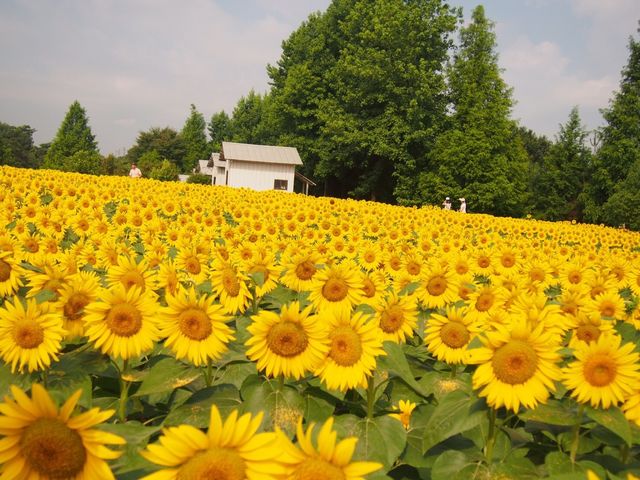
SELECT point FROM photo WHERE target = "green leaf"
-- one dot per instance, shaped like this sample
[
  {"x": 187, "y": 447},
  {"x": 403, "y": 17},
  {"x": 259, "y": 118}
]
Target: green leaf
[
  {"x": 318, "y": 406},
  {"x": 452, "y": 465},
  {"x": 552, "y": 413},
  {"x": 7, "y": 379},
  {"x": 281, "y": 407},
  {"x": 381, "y": 439},
  {"x": 396, "y": 363},
  {"x": 456, "y": 413},
  {"x": 196, "y": 410},
  {"x": 612, "y": 419},
  {"x": 137, "y": 437},
  {"x": 557, "y": 463},
  {"x": 63, "y": 385},
  {"x": 166, "y": 375}
]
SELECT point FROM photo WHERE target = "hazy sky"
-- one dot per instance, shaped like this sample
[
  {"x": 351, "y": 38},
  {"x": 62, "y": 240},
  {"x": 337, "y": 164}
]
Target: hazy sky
[{"x": 137, "y": 64}]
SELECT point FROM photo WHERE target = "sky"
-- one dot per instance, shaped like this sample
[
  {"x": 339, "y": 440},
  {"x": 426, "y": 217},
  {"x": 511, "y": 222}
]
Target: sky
[{"x": 137, "y": 64}]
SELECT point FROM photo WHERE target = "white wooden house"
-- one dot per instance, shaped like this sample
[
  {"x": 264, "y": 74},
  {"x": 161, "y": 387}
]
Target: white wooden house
[{"x": 259, "y": 167}]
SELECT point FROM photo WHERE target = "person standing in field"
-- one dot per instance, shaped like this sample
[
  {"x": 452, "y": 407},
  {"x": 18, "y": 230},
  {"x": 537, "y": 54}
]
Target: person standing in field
[
  {"x": 463, "y": 205},
  {"x": 135, "y": 171},
  {"x": 446, "y": 204}
]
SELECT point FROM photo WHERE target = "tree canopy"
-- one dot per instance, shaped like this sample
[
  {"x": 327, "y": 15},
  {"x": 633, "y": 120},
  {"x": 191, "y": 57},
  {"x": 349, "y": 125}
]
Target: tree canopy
[
  {"x": 74, "y": 135},
  {"x": 16, "y": 146},
  {"x": 194, "y": 135}
]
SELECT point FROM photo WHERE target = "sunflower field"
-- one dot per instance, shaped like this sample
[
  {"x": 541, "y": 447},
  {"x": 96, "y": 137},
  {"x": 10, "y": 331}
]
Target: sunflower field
[{"x": 173, "y": 331}]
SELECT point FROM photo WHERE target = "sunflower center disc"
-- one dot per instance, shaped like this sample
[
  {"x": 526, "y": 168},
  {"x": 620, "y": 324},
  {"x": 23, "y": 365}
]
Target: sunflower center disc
[
  {"x": 124, "y": 320},
  {"x": 75, "y": 305},
  {"x": 287, "y": 339},
  {"x": 230, "y": 282},
  {"x": 195, "y": 324},
  {"x": 508, "y": 261},
  {"x": 369, "y": 288},
  {"x": 413, "y": 268},
  {"x": 600, "y": 370},
  {"x": 28, "y": 334},
  {"x": 437, "y": 285},
  {"x": 334, "y": 290},
  {"x": 391, "y": 319},
  {"x": 317, "y": 469},
  {"x": 305, "y": 270},
  {"x": 52, "y": 449},
  {"x": 192, "y": 265},
  {"x": 454, "y": 335},
  {"x": 588, "y": 333},
  {"x": 346, "y": 347},
  {"x": 217, "y": 463},
  {"x": 132, "y": 278},
  {"x": 5, "y": 271},
  {"x": 484, "y": 302},
  {"x": 608, "y": 309},
  {"x": 515, "y": 362}
]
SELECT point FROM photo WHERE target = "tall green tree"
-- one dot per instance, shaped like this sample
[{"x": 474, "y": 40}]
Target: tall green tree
[
  {"x": 220, "y": 130},
  {"x": 16, "y": 146},
  {"x": 480, "y": 156},
  {"x": 620, "y": 140},
  {"x": 560, "y": 183},
  {"x": 168, "y": 144},
  {"x": 359, "y": 89},
  {"x": 194, "y": 134},
  {"x": 74, "y": 135},
  {"x": 250, "y": 122}
]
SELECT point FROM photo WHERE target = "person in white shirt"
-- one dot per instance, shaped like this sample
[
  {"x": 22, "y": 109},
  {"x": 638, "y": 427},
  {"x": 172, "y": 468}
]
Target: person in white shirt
[
  {"x": 135, "y": 171},
  {"x": 446, "y": 204},
  {"x": 463, "y": 205}
]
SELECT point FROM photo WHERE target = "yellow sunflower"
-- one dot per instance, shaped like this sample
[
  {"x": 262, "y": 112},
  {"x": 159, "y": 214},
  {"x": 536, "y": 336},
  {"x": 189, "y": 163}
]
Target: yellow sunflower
[
  {"x": 299, "y": 270},
  {"x": 355, "y": 342},
  {"x": 374, "y": 288},
  {"x": 330, "y": 460},
  {"x": 40, "y": 440},
  {"x": 404, "y": 409},
  {"x": 51, "y": 278},
  {"x": 167, "y": 277},
  {"x": 122, "y": 323},
  {"x": 437, "y": 286},
  {"x": 263, "y": 262},
  {"x": 608, "y": 304},
  {"x": 30, "y": 336},
  {"x": 231, "y": 450},
  {"x": 10, "y": 274},
  {"x": 80, "y": 290},
  {"x": 397, "y": 317},
  {"x": 193, "y": 263},
  {"x": 231, "y": 286},
  {"x": 130, "y": 273},
  {"x": 337, "y": 289},
  {"x": 194, "y": 327},
  {"x": 290, "y": 343},
  {"x": 517, "y": 366},
  {"x": 631, "y": 407},
  {"x": 604, "y": 373},
  {"x": 588, "y": 328},
  {"x": 448, "y": 336},
  {"x": 485, "y": 300}
]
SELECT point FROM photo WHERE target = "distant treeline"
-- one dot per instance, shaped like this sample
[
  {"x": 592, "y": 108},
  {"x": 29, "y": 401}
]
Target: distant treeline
[{"x": 399, "y": 102}]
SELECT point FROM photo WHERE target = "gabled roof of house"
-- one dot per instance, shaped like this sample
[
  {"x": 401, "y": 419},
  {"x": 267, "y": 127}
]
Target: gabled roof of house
[{"x": 246, "y": 152}]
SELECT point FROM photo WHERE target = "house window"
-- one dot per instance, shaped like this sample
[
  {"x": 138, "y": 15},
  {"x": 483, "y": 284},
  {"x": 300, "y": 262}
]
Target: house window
[{"x": 280, "y": 184}]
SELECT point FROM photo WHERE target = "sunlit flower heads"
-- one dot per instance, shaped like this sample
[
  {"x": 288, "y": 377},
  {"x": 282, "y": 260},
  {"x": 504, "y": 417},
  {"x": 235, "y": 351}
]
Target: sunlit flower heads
[
  {"x": 30, "y": 335},
  {"x": 516, "y": 366},
  {"x": 122, "y": 323},
  {"x": 43, "y": 441},
  {"x": 330, "y": 460},
  {"x": 290, "y": 343},
  {"x": 194, "y": 327},
  {"x": 233, "y": 450},
  {"x": 604, "y": 372}
]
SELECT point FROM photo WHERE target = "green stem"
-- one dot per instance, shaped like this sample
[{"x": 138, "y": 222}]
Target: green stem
[
  {"x": 624, "y": 453},
  {"x": 371, "y": 395},
  {"x": 124, "y": 393},
  {"x": 208, "y": 374},
  {"x": 454, "y": 371},
  {"x": 280, "y": 383},
  {"x": 491, "y": 437},
  {"x": 575, "y": 442}
]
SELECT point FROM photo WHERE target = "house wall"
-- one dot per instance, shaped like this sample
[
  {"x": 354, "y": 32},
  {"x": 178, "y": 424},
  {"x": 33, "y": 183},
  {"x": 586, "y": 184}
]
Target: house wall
[{"x": 260, "y": 176}]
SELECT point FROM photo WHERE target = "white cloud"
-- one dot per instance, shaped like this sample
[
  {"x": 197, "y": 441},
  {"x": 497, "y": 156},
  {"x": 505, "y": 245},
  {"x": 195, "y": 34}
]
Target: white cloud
[{"x": 546, "y": 88}]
